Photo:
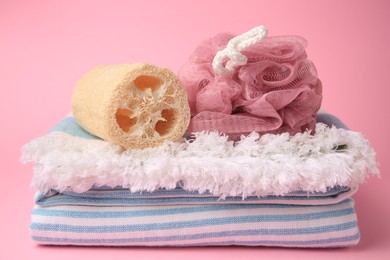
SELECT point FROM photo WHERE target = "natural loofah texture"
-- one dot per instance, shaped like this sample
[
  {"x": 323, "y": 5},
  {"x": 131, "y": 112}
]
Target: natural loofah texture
[
  {"x": 132, "y": 105},
  {"x": 270, "y": 164}
]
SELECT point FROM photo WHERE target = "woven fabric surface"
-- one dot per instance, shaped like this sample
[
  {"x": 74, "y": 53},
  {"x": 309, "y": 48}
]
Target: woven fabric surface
[
  {"x": 332, "y": 225},
  {"x": 124, "y": 197}
]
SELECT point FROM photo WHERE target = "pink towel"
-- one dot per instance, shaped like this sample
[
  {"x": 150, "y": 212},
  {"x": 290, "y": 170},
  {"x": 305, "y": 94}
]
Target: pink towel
[{"x": 276, "y": 91}]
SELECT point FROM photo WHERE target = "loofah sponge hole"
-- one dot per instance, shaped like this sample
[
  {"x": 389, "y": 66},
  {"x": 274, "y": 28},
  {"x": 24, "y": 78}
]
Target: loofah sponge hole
[
  {"x": 125, "y": 120},
  {"x": 145, "y": 81},
  {"x": 164, "y": 126}
]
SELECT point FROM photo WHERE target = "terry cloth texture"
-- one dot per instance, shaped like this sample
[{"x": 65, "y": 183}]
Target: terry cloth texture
[
  {"x": 112, "y": 213},
  {"x": 257, "y": 165}
]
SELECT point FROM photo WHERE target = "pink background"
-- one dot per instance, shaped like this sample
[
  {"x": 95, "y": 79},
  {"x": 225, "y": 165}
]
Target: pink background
[{"x": 45, "y": 46}]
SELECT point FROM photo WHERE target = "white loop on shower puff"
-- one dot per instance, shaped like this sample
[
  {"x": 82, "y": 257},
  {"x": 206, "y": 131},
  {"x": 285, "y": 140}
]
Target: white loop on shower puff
[{"x": 234, "y": 48}]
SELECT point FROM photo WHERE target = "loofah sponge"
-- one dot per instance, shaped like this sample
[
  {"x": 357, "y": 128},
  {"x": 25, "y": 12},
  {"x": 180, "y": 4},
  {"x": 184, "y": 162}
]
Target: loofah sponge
[{"x": 132, "y": 105}]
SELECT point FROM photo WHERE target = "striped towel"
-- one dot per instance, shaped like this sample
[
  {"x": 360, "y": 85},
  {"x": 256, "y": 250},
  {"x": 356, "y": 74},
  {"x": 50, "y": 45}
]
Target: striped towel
[
  {"x": 332, "y": 225},
  {"x": 107, "y": 214},
  {"x": 118, "y": 196}
]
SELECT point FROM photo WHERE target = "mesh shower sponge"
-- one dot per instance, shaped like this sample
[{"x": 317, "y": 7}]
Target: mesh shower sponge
[{"x": 277, "y": 90}]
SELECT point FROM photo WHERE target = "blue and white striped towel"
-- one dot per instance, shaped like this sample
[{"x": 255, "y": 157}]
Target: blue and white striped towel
[{"x": 333, "y": 225}]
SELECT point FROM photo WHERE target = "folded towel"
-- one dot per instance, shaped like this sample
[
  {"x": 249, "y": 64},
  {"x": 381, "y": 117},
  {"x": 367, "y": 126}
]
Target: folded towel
[
  {"x": 255, "y": 166},
  {"x": 118, "y": 196},
  {"x": 333, "y": 225}
]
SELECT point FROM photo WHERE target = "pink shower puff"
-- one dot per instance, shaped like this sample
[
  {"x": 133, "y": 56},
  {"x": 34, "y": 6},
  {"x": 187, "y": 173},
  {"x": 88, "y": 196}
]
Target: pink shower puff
[{"x": 276, "y": 91}]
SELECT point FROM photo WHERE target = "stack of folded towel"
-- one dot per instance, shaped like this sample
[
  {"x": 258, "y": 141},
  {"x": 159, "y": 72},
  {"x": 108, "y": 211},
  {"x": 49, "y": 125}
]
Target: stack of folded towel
[{"x": 288, "y": 182}]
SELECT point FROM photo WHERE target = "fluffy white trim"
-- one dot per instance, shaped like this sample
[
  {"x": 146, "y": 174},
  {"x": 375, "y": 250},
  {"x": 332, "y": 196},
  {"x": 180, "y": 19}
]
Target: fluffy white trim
[{"x": 270, "y": 164}]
